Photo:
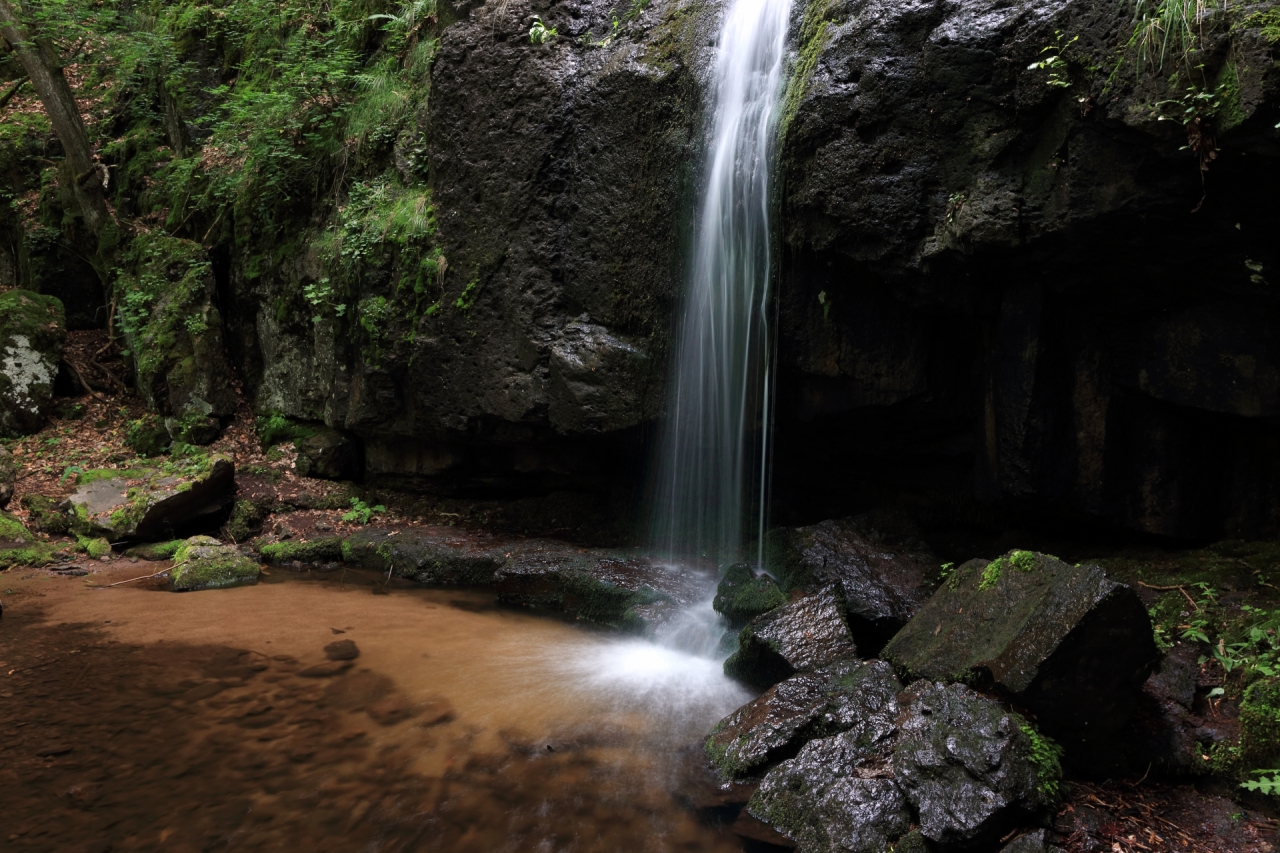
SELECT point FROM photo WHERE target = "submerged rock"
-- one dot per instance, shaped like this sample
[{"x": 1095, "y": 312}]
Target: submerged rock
[
  {"x": 202, "y": 562},
  {"x": 970, "y": 768},
  {"x": 881, "y": 585},
  {"x": 152, "y": 503},
  {"x": 797, "y": 637},
  {"x": 850, "y": 695},
  {"x": 743, "y": 595},
  {"x": 1067, "y": 642},
  {"x": 32, "y": 335}
]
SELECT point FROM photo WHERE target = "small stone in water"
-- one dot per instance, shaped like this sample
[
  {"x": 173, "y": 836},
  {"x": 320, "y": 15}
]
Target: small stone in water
[{"x": 342, "y": 650}]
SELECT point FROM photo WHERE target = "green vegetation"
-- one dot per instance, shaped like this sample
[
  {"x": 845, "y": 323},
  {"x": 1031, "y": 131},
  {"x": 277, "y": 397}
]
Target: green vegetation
[
  {"x": 315, "y": 551},
  {"x": 361, "y": 512},
  {"x": 1046, "y": 756},
  {"x": 146, "y": 436},
  {"x": 1054, "y": 64},
  {"x": 539, "y": 33},
  {"x": 1023, "y": 561},
  {"x": 275, "y": 428},
  {"x": 202, "y": 562},
  {"x": 818, "y": 18}
]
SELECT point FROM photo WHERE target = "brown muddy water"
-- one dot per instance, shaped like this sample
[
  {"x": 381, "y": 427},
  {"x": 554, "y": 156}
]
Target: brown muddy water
[{"x": 136, "y": 719}]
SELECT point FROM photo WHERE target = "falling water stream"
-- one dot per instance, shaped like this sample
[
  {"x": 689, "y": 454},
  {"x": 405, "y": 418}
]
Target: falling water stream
[{"x": 712, "y": 467}]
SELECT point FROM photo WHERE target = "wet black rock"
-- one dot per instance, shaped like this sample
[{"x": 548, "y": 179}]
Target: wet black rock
[
  {"x": 970, "y": 768},
  {"x": 743, "y": 595},
  {"x": 824, "y": 806},
  {"x": 1165, "y": 736},
  {"x": 850, "y": 695},
  {"x": 329, "y": 454},
  {"x": 882, "y": 585},
  {"x": 1070, "y": 644},
  {"x": 797, "y": 637}
]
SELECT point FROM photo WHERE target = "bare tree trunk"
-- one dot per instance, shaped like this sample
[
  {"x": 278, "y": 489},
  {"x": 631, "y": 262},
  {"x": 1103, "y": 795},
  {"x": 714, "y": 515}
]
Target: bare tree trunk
[{"x": 42, "y": 65}]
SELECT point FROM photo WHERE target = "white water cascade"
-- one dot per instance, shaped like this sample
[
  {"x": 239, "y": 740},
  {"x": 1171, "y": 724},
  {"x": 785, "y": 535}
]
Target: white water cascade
[{"x": 712, "y": 465}]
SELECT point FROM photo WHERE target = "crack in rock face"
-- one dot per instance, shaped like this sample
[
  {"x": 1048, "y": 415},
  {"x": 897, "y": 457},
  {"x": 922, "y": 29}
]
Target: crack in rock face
[{"x": 26, "y": 370}]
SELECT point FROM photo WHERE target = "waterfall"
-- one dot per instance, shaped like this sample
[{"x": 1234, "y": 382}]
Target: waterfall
[{"x": 712, "y": 466}]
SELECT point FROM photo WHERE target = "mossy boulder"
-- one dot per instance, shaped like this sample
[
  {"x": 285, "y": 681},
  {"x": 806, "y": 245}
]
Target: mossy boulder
[
  {"x": 202, "y": 562},
  {"x": 8, "y": 476},
  {"x": 845, "y": 696},
  {"x": 798, "y": 637},
  {"x": 32, "y": 334},
  {"x": 1067, "y": 642},
  {"x": 152, "y": 503},
  {"x": 743, "y": 595},
  {"x": 45, "y": 515},
  {"x": 247, "y": 518}
]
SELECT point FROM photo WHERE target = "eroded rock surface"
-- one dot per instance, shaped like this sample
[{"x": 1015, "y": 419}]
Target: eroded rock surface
[{"x": 203, "y": 562}]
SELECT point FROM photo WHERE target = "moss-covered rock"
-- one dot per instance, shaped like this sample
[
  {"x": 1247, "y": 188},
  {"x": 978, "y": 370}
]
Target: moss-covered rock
[
  {"x": 743, "y": 595},
  {"x": 8, "y": 475},
  {"x": 152, "y": 503},
  {"x": 202, "y": 562},
  {"x": 19, "y": 548},
  {"x": 322, "y": 550},
  {"x": 44, "y": 515},
  {"x": 94, "y": 547},
  {"x": 12, "y": 530},
  {"x": 32, "y": 335},
  {"x": 174, "y": 331},
  {"x": 329, "y": 454},
  {"x": 1072, "y": 645},
  {"x": 147, "y": 436},
  {"x": 155, "y": 551}
]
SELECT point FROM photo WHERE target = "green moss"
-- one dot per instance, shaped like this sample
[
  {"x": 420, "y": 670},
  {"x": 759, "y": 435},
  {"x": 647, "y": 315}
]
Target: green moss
[
  {"x": 322, "y": 550},
  {"x": 93, "y": 475},
  {"x": 275, "y": 428},
  {"x": 95, "y": 547},
  {"x": 814, "y": 34},
  {"x": 1046, "y": 756},
  {"x": 155, "y": 551},
  {"x": 44, "y": 516},
  {"x": 147, "y": 436},
  {"x": 1268, "y": 21},
  {"x": 11, "y": 528},
  {"x": 246, "y": 519},
  {"x": 35, "y": 555}
]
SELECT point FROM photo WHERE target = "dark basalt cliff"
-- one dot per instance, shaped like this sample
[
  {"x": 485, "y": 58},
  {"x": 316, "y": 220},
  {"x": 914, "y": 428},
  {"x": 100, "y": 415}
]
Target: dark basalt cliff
[{"x": 1006, "y": 293}]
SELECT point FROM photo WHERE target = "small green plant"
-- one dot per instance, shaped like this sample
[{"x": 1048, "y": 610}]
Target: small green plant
[
  {"x": 1055, "y": 64},
  {"x": 955, "y": 202},
  {"x": 321, "y": 297},
  {"x": 991, "y": 574},
  {"x": 361, "y": 512},
  {"x": 1267, "y": 783},
  {"x": 1046, "y": 757},
  {"x": 540, "y": 33}
]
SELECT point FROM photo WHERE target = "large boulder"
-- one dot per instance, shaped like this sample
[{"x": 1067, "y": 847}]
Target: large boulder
[
  {"x": 881, "y": 584},
  {"x": 957, "y": 763},
  {"x": 1067, "y": 642},
  {"x": 152, "y": 503},
  {"x": 850, "y": 695},
  {"x": 440, "y": 556},
  {"x": 203, "y": 562},
  {"x": 32, "y": 334},
  {"x": 798, "y": 637},
  {"x": 970, "y": 768}
]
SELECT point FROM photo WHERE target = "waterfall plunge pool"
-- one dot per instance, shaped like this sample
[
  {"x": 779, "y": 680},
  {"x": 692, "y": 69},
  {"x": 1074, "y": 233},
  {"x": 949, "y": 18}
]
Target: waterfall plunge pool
[{"x": 136, "y": 719}]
